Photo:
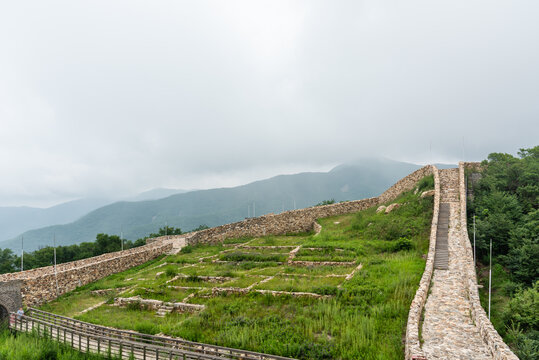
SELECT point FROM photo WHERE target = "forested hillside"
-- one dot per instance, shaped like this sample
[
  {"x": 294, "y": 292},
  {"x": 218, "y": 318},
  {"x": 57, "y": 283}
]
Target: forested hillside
[
  {"x": 358, "y": 180},
  {"x": 505, "y": 204}
]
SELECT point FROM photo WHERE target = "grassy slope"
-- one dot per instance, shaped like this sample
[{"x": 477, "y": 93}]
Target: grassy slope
[
  {"x": 28, "y": 347},
  {"x": 365, "y": 318},
  {"x": 220, "y": 206}
]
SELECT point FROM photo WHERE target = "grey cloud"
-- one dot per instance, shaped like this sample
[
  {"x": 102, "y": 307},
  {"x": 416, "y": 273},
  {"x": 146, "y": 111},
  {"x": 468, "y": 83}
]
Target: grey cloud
[{"x": 118, "y": 97}]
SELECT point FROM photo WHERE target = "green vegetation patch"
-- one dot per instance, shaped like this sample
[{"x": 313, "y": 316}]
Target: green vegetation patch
[
  {"x": 506, "y": 207},
  {"x": 324, "y": 286},
  {"x": 363, "y": 317},
  {"x": 28, "y": 346},
  {"x": 279, "y": 240},
  {"x": 238, "y": 256}
]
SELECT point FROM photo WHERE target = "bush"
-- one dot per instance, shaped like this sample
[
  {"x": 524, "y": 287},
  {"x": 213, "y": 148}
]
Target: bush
[
  {"x": 523, "y": 308},
  {"x": 402, "y": 244},
  {"x": 135, "y": 305},
  {"x": 326, "y": 290},
  {"x": 171, "y": 271},
  {"x": 186, "y": 249},
  {"x": 427, "y": 183}
]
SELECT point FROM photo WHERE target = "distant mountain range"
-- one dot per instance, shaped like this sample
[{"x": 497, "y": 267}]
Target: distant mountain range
[
  {"x": 18, "y": 219},
  {"x": 187, "y": 210}
]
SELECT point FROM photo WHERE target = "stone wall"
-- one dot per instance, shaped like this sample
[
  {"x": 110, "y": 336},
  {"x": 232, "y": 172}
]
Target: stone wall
[
  {"x": 498, "y": 348},
  {"x": 412, "y": 341},
  {"x": 406, "y": 183},
  {"x": 41, "y": 285},
  {"x": 10, "y": 295},
  {"x": 303, "y": 220}
]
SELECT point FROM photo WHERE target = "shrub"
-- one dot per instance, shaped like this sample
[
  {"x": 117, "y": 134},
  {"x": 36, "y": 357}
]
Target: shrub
[
  {"x": 187, "y": 249},
  {"x": 426, "y": 183},
  {"x": 135, "y": 305},
  {"x": 402, "y": 244},
  {"x": 326, "y": 290},
  {"x": 523, "y": 308},
  {"x": 171, "y": 271}
]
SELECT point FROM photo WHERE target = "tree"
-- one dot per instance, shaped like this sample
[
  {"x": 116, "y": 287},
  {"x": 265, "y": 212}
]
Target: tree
[{"x": 7, "y": 261}]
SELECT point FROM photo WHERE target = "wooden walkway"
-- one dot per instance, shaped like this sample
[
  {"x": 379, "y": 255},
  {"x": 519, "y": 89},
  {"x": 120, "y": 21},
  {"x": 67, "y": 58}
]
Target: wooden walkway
[{"x": 86, "y": 337}]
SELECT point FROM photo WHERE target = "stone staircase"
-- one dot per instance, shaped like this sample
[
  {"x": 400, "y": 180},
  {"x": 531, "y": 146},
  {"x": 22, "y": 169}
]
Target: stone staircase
[
  {"x": 164, "y": 310},
  {"x": 448, "y": 332},
  {"x": 441, "y": 258},
  {"x": 177, "y": 244}
]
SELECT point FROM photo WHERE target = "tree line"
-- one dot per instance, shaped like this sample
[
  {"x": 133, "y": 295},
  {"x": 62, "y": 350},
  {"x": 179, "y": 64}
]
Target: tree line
[
  {"x": 506, "y": 208},
  {"x": 104, "y": 243}
]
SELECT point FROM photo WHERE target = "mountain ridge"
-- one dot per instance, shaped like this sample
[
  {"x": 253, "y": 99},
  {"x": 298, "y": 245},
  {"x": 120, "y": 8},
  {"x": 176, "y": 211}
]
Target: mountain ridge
[{"x": 350, "y": 181}]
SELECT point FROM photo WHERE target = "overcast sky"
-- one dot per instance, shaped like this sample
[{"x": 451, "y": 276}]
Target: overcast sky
[{"x": 111, "y": 98}]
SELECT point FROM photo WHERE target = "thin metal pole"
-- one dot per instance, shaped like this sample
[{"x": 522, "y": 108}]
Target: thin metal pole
[
  {"x": 55, "y": 271},
  {"x": 490, "y": 279},
  {"x": 474, "y": 258},
  {"x": 22, "y": 253}
]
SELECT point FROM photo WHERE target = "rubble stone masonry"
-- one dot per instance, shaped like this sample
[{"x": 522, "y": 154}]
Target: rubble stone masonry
[{"x": 41, "y": 285}]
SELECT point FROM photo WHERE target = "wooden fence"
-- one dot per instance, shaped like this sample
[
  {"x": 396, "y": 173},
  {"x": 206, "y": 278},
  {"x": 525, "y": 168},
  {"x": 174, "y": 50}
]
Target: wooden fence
[{"x": 87, "y": 337}]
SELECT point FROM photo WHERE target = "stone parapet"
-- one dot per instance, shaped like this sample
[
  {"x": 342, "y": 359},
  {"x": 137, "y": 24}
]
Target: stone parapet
[
  {"x": 44, "y": 284},
  {"x": 499, "y": 350},
  {"x": 412, "y": 341}
]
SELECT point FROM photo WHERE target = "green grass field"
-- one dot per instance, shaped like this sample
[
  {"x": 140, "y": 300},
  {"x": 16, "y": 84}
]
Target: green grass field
[
  {"x": 29, "y": 347},
  {"x": 363, "y": 317}
]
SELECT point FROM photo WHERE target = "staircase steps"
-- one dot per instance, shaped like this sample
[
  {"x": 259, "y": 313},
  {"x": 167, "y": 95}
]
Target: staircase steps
[
  {"x": 441, "y": 258},
  {"x": 164, "y": 310}
]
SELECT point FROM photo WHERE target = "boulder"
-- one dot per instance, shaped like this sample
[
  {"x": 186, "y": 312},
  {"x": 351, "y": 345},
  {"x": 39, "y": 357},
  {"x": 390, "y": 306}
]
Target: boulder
[
  {"x": 427, "y": 193},
  {"x": 380, "y": 209},
  {"x": 391, "y": 207}
]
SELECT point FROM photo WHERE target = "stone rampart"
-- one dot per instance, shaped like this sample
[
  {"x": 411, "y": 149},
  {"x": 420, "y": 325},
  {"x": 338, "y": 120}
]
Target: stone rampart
[
  {"x": 302, "y": 220},
  {"x": 406, "y": 183},
  {"x": 45, "y": 284},
  {"x": 42, "y": 285},
  {"x": 498, "y": 348},
  {"x": 412, "y": 341}
]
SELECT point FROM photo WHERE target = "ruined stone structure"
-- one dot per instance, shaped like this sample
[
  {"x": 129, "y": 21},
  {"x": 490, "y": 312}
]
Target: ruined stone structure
[
  {"x": 10, "y": 298},
  {"x": 458, "y": 286},
  {"x": 37, "y": 286},
  {"x": 454, "y": 324},
  {"x": 302, "y": 220},
  {"x": 44, "y": 284}
]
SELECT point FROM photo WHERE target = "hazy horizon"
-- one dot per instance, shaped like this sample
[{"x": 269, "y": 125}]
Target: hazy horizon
[{"x": 112, "y": 98}]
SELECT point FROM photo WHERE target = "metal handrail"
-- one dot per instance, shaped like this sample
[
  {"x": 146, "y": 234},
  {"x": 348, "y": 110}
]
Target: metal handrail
[
  {"x": 152, "y": 339},
  {"x": 92, "y": 342}
]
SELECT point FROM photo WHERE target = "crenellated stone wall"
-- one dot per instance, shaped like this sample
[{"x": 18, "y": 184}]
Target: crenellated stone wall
[
  {"x": 412, "y": 341},
  {"x": 498, "y": 348}
]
